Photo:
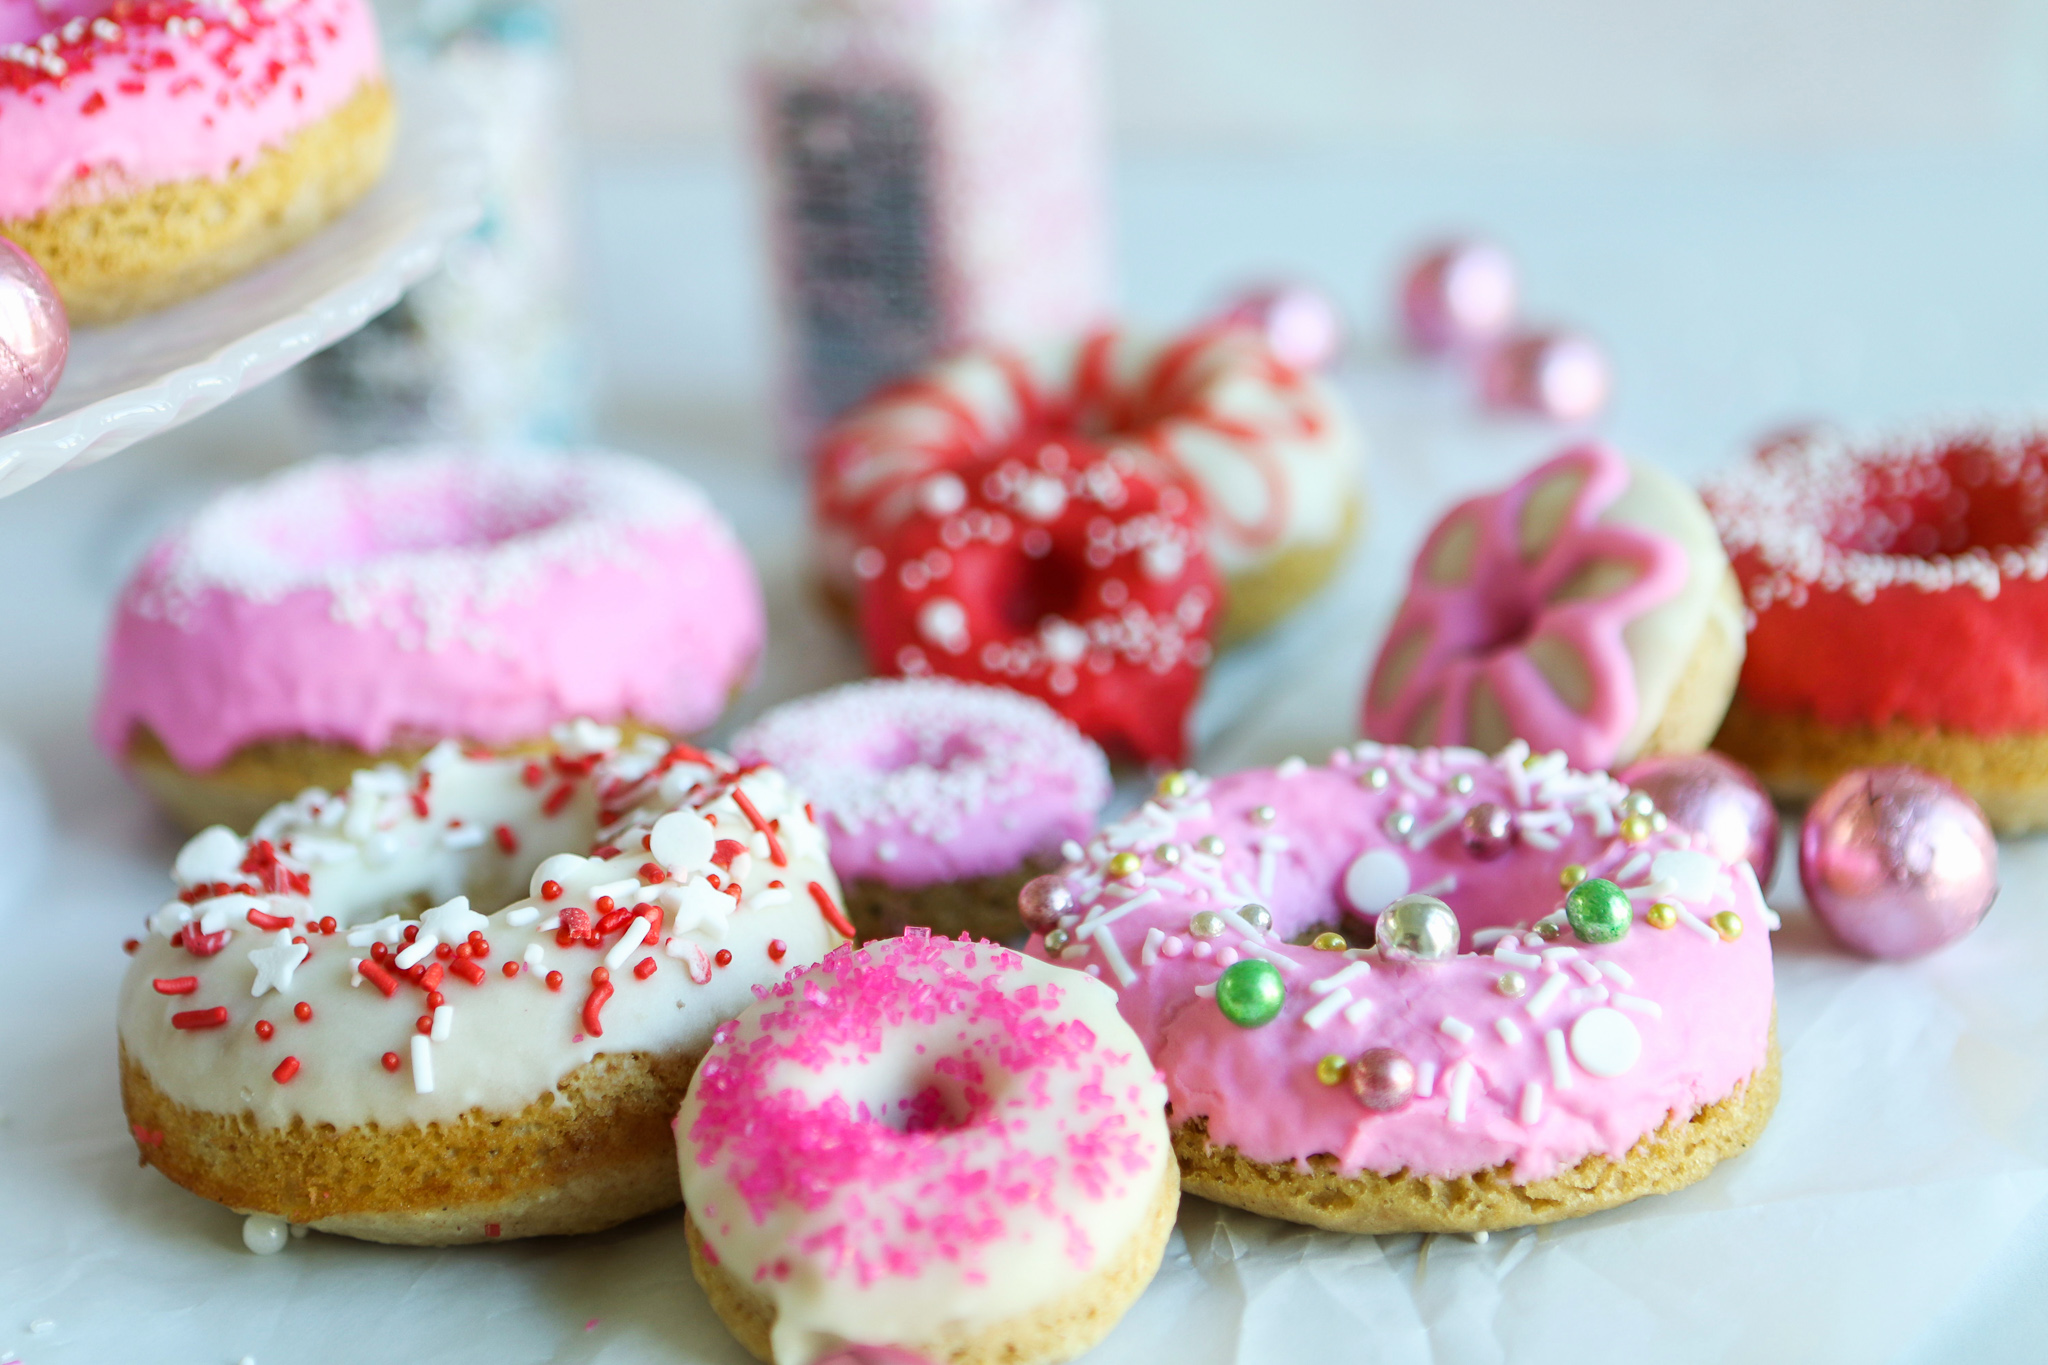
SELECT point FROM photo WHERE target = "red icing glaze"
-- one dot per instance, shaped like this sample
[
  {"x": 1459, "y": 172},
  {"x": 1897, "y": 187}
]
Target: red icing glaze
[
  {"x": 1058, "y": 569},
  {"x": 1897, "y": 584}
]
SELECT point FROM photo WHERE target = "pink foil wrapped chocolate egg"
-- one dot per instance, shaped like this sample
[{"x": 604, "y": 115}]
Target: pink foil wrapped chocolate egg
[
  {"x": 1897, "y": 862},
  {"x": 1300, "y": 323},
  {"x": 1718, "y": 800},
  {"x": 1458, "y": 296},
  {"x": 35, "y": 335},
  {"x": 1559, "y": 375}
]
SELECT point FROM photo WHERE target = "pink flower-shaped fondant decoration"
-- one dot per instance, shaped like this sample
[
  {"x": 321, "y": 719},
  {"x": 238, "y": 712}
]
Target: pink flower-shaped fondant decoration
[{"x": 1517, "y": 621}]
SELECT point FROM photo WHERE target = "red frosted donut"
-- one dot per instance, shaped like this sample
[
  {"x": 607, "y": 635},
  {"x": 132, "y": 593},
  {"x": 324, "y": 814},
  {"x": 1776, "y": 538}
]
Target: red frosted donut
[
  {"x": 1901, "y": 612},
  {"x": 1072, "y": 574}
]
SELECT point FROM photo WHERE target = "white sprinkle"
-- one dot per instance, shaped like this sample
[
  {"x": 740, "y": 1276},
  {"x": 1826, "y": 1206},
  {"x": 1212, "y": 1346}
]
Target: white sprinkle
[
  {"x": 1453, "y": 1027},
  {"x": 1692, "y": 922},
  {"x": 460, "y": 837},
  {"x": 1605, "y": 1043},
  {"x": 1771, "y": 920},
  {"x": 410, "y": 955},
  {"x": 1139, "y": 901},
  {"x": 1442, "y": 886},
  {"x": 1207, "y": 990},
  {"x": 1148, "y": 952},
  {"x": 1071, "y": 851},
  {"x": 1270, "y": 848},
  {"x": 1407, "y": 778},
  {"x": 1615, "y": 972},
  {"x": 265, "y": 1234},
  {"x": 1510, "y": 1032},
  {"x": 1458, "y": 1088},
  {"x": 1536, "y": 838},
  {"x": 1564, "y": 953},
  {"x": 1560, "y": 1060},
  {"x": 1656, "y": 889},
  {"x": 422, "y": 1065},
  {"x": 1591, "y": 995},
  {"x": 1588, "y": 972},
  {"x": 532, "y": 956},
  {"x": 1506, "y": 953},
  {"x": 1638, "y": 1005},
  {"x": 637, "y": 931},
  {"x": 355, "y": 971},
  {"x": 1633, "y": 868},
  {"x": 1532, "y": 1104},
  {"x": 522, "y": 916},
  {"x": 1425, "y": 1079},
  {"x": 1093, "y": 971},
  {"x": 1355, "y": 1012},
  {"x": 1483, "y": 937},
  {"x": 42, "y": 1325},
  {"x": 1546, "y": 995},
  {"x": 1353, "y": 970},
  {"x": 1481, "y": 1237},
  {"x": 1291, "y": 767},
  {"x": 1073, "y": 952},
  {"x": 444, "y": 1022},
  {"x": 1111, "y": 952},
  {"x": 1324, "y": 1009},
  {"x": 1422, "y": 838}
]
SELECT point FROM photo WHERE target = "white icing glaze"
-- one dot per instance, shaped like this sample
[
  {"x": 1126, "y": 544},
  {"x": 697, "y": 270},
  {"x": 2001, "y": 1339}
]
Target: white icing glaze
[{"x": 415, "y": 849}]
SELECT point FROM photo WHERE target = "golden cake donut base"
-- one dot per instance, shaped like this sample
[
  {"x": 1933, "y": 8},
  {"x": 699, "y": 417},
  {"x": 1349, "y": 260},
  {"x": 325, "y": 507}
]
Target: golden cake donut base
[
  {"x": 1255, "y": 602},
  {"x": 1683, "y": 1151},
  {"x": 589, "y": 1154},
  {"x": 128, "y": 253},
  {"x": 1054, "y": 1332},
  {"x": 267, "y": 772},
  {"x": 1796, "y": 756},
  {"x": 983, "y": 907},
  {"x": 1695, "y": 709}
]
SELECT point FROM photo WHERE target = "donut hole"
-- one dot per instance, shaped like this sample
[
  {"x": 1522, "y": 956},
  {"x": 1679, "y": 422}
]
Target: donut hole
[
  {"x": 911, "y": 1090},
  {"x": 1966, "y": 495},
  {"x": 944, "y": 751},
  {"x": 1025, "y": 591}
]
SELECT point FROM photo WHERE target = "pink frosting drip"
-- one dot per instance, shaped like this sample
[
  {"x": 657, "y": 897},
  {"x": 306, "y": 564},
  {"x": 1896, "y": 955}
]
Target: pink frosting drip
[
  {"x": 134, "y": 103},
  {"x": 944, "y": 1176},
  {"x": 1480, "y": 628},
  {"x": 1702, "y": 1006},
  {"x": 931, "y": 780},
  {"x": 432, "y": 595}
]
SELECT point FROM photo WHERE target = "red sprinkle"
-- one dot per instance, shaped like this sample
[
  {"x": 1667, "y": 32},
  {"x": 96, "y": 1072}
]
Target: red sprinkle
[
  {"x": 444, "y": 951},
  {"x": 653, "y": 873},
  {"x": 533, "y": 774},
  {"x": 378, "y": 977},
  {"x": 479, "y": 946},
  {"x": 419, "y": 804},
  {"x": 753, "y": 814},
  {"x": 508, "y": 842},
  {"x": 557, "y": 799},
  {"x": 834, "y": 916},
  {"x": 264, "y": 920},
  {"x": 723, "y": 957},
  {"x": 286, "y": 1069},
  {"x": 490, "y": 1229},
  {"x": 600, "y": 992},
  {"x": 204, "y": 945},
  {"x": 604, "y": 905},
  {"x": 777, "y": 949},
  {"x": 425, "y": 1023},
  {"x": 303, "y": 1012},
  {"x": 550, "y": 891},
  {"x": 391, "y": 1061},
  {"x": 469, "y": 971},
  {"x": 511, "y": 969},
  {"x": 435, "y": 1000},
  {"x": 724, "y": 851},
  {"x": 265, "y": 1030},
  {"x": 431, "y": 978},
  {"x": 328, "y": 924},
  {"x": 554, "y": 981},
  {"x": 646, "y": 967},
  {"x": 175, "y": 985},
  {"x": 212, "y": 1018},
  {"x": 129, "y": 946}
]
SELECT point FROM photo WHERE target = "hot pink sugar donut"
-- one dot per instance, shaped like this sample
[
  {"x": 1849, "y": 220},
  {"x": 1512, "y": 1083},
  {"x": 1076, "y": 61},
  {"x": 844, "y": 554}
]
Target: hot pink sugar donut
[
  {"x": 1535, "y": 1075},
  {"x": 354, "y": 608},
  {"x": 1586, "y": 607},
  {"x": 941, "y": 1146},
  {"x": 940, "y": 798}
]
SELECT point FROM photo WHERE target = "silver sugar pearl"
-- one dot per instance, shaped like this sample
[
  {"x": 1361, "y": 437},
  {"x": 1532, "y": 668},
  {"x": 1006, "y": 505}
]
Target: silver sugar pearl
[
  {"x": 1401, "y": 824},
  {"x": 1417, "y": 928},
  {"x": 1209, "y": 845},
  {"x": 1206, "y": 924},
  {"x": 1056, "y": 942},
  {"x": 1375, "y": 779},
  {"x": 1042, "y": 901},
  {"x": 1168, "y": 855},
  {"x": 1659, "y": 821},
  {"x": 1511, "y": 984},
  {"x": 1639, "y": 803},
  {"x": 1257, "y": 916},
  {"x": 1263, "y": 815},
  {"x": 1462, "y": 784}
]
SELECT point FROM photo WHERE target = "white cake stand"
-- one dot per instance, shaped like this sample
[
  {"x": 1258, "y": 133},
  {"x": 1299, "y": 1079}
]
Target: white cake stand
[{"x": 136, "y": 379}]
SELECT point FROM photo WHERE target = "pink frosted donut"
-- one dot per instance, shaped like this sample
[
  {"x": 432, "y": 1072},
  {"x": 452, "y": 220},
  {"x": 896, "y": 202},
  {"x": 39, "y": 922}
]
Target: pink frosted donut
[
  {"x": 941, "y": 1147},
  {"x": 1587, "y": 607},
  {"x": 356, "y": 609},
  {"x": 940, "y": 798},
  {"x": 1509, "y": 1052},
  {"x": 155, "y": 146}
]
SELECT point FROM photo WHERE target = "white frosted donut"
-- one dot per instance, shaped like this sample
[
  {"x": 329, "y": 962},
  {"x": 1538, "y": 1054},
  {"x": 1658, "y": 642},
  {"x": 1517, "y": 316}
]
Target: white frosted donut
[
  {"x": 939, "y": 1146},
  {"x": 321, "y": 1028}
]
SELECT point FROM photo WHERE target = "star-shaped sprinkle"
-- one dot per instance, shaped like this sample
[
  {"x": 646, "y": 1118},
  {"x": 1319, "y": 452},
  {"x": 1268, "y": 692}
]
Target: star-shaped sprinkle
[
  {"x": 452, "y": 921},
  {"x": 276, "y": 964}
]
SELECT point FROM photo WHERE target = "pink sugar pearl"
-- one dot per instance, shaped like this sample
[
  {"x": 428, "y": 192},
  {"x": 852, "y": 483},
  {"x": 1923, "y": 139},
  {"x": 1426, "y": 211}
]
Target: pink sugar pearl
[
  {"x": 1559, "y": 375},
  {"x": 35, "y": 335},
  {"x": 1299, "y": 322},
  {"x": 1458, "y": 297}
]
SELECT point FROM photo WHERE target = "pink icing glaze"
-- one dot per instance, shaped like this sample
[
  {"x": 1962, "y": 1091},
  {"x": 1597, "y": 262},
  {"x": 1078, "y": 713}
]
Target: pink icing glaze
[
  {"x": 930, "y": 780},
  {"x": 944, "y": 1173},
  {"x": 145, "y": 92},
  {"x": 1481, "y": 627},
  {"x": 428, "y": 595},
  {"x": 1700, "y": 1005}
]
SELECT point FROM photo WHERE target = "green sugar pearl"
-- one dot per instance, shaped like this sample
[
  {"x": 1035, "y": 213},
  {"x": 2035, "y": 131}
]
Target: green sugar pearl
[
  {"x": 1250, "y": 993},
  {"x": 1599, "y": 911}
]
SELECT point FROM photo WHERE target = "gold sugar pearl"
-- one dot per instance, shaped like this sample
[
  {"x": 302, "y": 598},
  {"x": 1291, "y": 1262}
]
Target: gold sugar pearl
[
  {"x": 1661, "y": 914},
  {"x": 1168, "y": 855},
  {"x": 1571, "y": 875},
  {"x": 1462, "y": 784},
  {"x": 1330, "y": 943},
  {"x": 1330, "y": 1070},
  {"x": 1173, "y": 784},
  {"x": 1636, "y": 828},
  {"x": 1639, "y": 803},
  {"x": 1728, "y": 925},
  {"x": 1374, "y": 779},
  {"x": 1659, "y": 821},
  {"x": 1125, "y": 864},
  {"x": 1263, "y": 815},
  {"x": 1549, "y": 930},
  {"x": 1209, "y": 846}
]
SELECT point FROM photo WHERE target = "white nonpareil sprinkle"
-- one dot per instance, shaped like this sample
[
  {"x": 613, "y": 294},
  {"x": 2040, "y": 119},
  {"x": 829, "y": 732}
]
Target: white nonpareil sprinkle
[
  {"x": 1323, "y": 1010},
  {"x": 1356, "y": 969},
  {"x": 1636, "y": 1004},
  {"x": 1455, "y": 1028},
  {"x": 444, "y": 1023},
  {"x": 413, "y": 952},
  {"x": 1111, "y": 953},
  {"x": 1546, "y": 995},
  {"x": 1615, "y": 972},
  {"x": 636, "y": 932},
  {"x": 1560, "y": 1059},
  {"x": 422, "y": 1065},
  {"x": 1510, "y": 1032},
  {"x": 1425, "y": 1079},
  {"x": 1355, "y": 1012},
  {"x": 1458, "y": 1091},
  {"x": 1532, "y": 1104}
]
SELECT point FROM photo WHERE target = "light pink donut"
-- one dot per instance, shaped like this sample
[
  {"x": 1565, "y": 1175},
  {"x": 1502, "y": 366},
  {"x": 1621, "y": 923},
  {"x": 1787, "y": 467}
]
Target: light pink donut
[
  {"x": 100, "y": 99},
  {"x": 1531, "y": 1049},
  {"x": 414, "y": 596}
]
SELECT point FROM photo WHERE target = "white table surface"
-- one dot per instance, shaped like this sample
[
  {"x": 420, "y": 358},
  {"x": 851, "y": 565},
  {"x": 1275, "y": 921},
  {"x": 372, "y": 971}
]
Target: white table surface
[{"x": 1893, "y": 1210}]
